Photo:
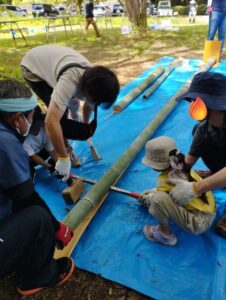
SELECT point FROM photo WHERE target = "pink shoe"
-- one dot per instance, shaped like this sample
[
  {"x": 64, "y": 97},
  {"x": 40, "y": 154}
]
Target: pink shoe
[{"x": 154, "y": 234}]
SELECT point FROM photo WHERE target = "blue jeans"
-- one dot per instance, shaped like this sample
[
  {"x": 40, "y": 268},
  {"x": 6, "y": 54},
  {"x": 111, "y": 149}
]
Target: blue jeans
[{"x": 217, "y": 22}]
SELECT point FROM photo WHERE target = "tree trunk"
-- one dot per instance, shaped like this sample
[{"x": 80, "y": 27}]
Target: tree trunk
[
  {"x": 137, "y": 12},
  {"x": 77, "y": 4}
]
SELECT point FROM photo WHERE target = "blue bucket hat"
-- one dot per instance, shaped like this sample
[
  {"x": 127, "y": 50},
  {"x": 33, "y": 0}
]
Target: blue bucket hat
[{"x": 210, "y": 87}]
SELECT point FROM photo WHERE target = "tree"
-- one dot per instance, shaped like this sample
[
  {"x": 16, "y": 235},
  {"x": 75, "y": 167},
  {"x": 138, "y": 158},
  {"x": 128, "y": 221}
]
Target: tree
[
  {"x": 77, "y": 4},
  {"x": 137, "y": 11}
]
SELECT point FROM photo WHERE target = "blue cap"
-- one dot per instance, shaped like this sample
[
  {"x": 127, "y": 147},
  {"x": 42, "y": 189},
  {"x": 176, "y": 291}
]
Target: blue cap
[{"x": 210, "y": 87}]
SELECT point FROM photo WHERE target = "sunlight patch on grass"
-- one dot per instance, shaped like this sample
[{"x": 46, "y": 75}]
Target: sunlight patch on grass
[{"x": 111, "y": 48}]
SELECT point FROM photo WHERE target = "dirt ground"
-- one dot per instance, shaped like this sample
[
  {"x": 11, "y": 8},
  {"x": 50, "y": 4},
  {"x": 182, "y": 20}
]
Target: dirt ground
[{"x": 85, "y": 285}]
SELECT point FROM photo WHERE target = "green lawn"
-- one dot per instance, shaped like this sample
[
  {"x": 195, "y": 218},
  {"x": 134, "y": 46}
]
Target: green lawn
[{"x": 113, "y": 48}]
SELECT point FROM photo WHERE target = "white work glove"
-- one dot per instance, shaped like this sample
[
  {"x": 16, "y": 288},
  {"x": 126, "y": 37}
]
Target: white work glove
[
  {"x": 146, "y": 197},
  {"x": 183, "y": 192},
  {"x": 63, "y": 167}
]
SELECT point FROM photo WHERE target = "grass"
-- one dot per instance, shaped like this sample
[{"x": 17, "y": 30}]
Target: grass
[{"x": 113, "y": 48}]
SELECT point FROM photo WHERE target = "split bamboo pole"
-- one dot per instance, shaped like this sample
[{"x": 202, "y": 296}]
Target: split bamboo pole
[
  {"x": 154, "y": 87},
  {"x": 81, "y": 215},
  {"x": 138, "y": 90}
]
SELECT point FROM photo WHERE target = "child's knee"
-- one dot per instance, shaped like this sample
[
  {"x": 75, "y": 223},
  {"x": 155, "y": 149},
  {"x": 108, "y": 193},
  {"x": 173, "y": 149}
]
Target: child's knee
[
  {"x": 161, "y": 198},
  {"x": 159, "y": 202}
]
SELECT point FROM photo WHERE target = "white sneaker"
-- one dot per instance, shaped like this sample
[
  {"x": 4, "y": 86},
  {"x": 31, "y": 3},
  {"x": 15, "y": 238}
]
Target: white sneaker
[{"x": 153, "y": 234}]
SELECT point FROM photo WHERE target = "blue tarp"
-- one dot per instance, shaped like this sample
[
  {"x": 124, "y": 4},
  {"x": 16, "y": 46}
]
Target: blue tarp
[{"x": 113, "y": 245}]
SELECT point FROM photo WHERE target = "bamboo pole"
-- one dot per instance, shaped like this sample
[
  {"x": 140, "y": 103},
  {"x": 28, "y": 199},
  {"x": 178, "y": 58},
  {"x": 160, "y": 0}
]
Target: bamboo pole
[
  {"x": 154, "y": 87},
  {"x": 93, "y": 150},
  {"x": 138, "y": 90},
  {"x": 81, "y": 215}
]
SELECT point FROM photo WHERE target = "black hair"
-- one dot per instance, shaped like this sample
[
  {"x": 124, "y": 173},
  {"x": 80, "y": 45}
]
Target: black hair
[
  {"x": 13, "y": 89},
  {"x": 101, "y": 84},
  {"x": 38, "y": 121},
  {"x": 181, "y": 159}
]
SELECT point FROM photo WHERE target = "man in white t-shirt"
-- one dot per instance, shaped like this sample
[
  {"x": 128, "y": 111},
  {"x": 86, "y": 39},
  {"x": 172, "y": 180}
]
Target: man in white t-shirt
[{"x": 58, "y": 74}]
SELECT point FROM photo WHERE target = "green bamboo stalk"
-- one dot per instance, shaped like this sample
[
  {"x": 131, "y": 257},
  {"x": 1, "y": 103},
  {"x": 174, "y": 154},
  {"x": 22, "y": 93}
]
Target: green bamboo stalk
[
  {"x": 154, "y": 87},
  {"x": 122, "y": 104},
  {"x": 101, "y": 188}
]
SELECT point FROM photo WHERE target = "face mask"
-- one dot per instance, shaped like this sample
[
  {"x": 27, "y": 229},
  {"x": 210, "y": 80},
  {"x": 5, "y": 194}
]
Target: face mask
[{"x": 28, "y": 128}]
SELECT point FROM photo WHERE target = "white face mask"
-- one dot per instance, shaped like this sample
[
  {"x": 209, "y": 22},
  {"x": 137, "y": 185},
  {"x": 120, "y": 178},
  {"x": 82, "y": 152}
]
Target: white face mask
[{"x": 28, "y": 128}]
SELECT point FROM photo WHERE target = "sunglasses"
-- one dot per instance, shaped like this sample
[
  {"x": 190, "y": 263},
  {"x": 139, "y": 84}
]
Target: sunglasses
[{"x": 197, "y": 109}]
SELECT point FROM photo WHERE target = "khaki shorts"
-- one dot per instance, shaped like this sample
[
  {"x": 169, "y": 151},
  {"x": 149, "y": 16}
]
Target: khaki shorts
[{"x": 164, "y": 208}]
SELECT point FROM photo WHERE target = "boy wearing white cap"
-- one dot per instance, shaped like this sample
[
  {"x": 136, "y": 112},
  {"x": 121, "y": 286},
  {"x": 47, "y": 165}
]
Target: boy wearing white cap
[{"x": 195, "y": 216}]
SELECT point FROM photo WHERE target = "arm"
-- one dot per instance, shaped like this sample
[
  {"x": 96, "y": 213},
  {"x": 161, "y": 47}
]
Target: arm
[
  {"x": 54, "y": 130},
  {"x": 55, "y": 134},
  {"x": 190, "y": 160},
  {"x": 87, "y": 111},
  {"x": 209, "y": 7},
  {"x": 209, "y": 2},
  {"x": 184, "y": 191},
  {"x": 217, "y": 180},
  {"x": 53, "y": 155},
  {"x": 23, "y": 195},
  {"x": 40, "y": 161}
]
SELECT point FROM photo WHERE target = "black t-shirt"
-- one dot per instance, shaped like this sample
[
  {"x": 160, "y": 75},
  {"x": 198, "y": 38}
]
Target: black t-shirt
[
  {"x": 89, "y": 10},
  {"x": 207, "y": 135}
]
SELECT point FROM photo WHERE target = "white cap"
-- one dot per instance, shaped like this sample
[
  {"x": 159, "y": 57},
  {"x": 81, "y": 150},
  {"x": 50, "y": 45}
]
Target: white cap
[{"x": 157, "y": 152}]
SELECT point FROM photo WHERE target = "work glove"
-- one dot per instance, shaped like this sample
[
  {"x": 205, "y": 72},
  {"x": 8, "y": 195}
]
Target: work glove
[
  {"x": 63, "y": 166},
  {"x": 63, "y": 236},
  {"x": 183, "y": 192},
  {"x": 53, "y": 172},
  {"x": 146, "y": 197}
]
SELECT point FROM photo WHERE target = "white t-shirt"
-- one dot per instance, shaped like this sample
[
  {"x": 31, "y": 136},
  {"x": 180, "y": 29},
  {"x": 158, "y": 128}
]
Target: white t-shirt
[
  {"x": 33, "y": 144},
  {"x": 44, "y": 63}
]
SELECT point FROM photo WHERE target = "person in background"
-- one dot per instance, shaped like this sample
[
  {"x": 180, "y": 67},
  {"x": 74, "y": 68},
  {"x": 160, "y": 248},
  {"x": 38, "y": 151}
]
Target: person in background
[
  {"x": 58, "y": 74},
  {"x": 90, "y": 19},
  {"x": 192, "y": 11},
  {"x": 28, "y": 229},
  {"x": 216, "y": 9},
  {"x": 207, "y": 95},
  {"x": 195, "y": 215}
]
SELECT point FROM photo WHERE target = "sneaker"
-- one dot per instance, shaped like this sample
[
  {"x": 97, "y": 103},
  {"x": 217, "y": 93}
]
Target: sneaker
[
  {"x": 154, "y": 234},
  {"x": 75, "y": 161},
  {"x": 66, "y": 269}
]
